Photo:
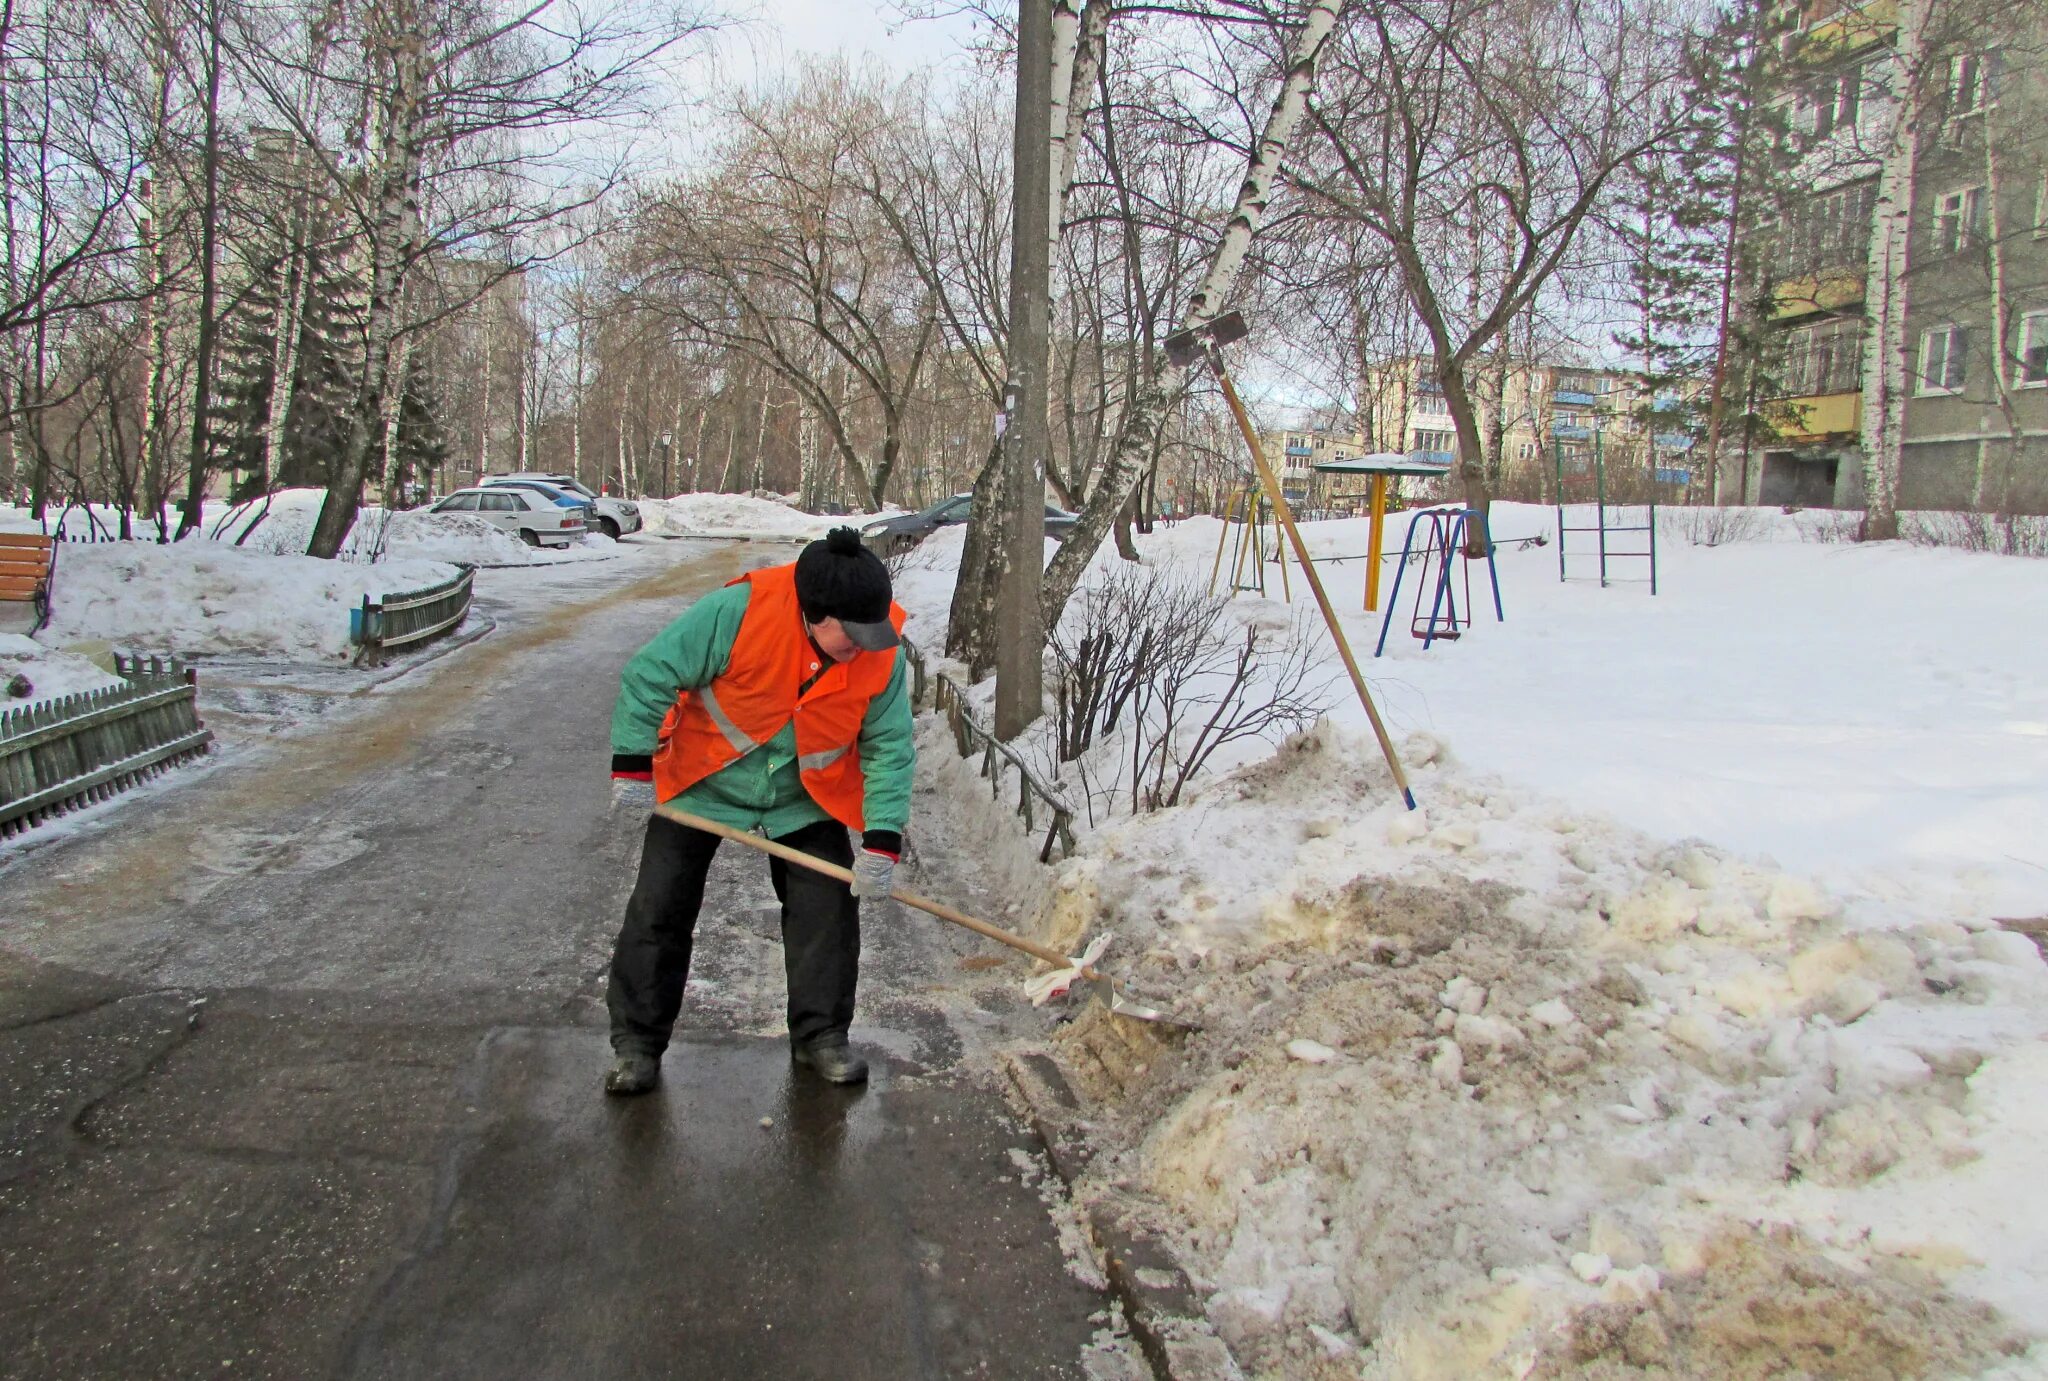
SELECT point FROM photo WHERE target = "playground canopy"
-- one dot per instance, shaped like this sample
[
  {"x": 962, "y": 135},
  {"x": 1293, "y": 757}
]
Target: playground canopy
[{"x": 1381, "y": 465}]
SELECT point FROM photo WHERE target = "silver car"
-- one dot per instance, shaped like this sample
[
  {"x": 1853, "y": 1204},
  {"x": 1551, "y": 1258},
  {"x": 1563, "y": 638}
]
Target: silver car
[
  {"x": 615, "y": 517},
  {"x": 537, "y": 519}
]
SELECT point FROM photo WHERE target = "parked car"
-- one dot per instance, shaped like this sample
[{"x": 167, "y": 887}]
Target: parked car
[
  {"x": 554, "y": 494},
  {"x": 892, "y": 535},
  {"x": 613, "y": 517},
  {"x": 539, "y": 520}
]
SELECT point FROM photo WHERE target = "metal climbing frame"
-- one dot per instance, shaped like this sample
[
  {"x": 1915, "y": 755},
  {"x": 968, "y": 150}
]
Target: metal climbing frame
[
  {"x": 1447, "y": 536},
  {"x": 1603, "y": 527}
]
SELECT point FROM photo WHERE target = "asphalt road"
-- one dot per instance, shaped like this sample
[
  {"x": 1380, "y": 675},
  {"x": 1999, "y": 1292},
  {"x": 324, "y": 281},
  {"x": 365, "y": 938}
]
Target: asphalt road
[{"x": 299, "y": 1064}]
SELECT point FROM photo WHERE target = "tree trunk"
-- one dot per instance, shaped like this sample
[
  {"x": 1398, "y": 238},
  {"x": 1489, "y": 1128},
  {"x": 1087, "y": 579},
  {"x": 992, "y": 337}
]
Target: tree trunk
[
  {"x": 393, "y": 235},
  {"x": 1138, "y": 437},
  {"x": 199, "y": 459},
  {"x": 1020, "y": 639},
  {"x": 970, "y": 623},
  {"x": 1887, "y": 365}
]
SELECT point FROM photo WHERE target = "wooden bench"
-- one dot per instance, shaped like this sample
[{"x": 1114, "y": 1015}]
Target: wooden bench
[{"x": 28, "y": 566}]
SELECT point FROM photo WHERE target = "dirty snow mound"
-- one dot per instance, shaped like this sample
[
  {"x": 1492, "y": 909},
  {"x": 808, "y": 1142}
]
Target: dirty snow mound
[{"x": 1578, "y": 1099}]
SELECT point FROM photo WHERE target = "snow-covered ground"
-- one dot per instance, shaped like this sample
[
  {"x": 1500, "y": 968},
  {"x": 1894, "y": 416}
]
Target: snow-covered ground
[
  {"x": 243, "y": 588},
  {"x": 1676, "y": 1030},
  {"x": 31, "y": 672},
  {"x": 737, "y": 515}
]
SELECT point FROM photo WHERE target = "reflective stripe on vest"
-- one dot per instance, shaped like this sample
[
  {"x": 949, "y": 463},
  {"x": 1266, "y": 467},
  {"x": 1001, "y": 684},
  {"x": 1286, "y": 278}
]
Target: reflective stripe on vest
[
  {"x": 736, "y": 736},
  {"x": 761, "y": 691}
]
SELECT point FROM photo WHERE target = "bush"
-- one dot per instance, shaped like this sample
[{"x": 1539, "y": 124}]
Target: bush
[
  {"x": 2003, "y": 534},
  {"x": 1828, "y": 524},
  {"x": 1150, "y": 679},
  {"x": 1710, "y": 525}
]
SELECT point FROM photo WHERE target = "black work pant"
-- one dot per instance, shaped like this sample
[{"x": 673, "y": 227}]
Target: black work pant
[{"x": 651, "y": 962}]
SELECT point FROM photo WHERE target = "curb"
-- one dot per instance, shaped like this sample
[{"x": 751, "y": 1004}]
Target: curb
[{"x": 1161, "y": 1305}]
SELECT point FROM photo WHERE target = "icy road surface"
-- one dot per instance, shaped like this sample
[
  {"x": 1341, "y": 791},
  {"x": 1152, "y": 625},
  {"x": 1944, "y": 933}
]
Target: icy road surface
[{"x": 299, "y": 1065}]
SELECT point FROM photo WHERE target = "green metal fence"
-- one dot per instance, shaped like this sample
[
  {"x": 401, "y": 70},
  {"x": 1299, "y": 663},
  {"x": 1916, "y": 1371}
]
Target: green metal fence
[{"x": 410, "y": 617}]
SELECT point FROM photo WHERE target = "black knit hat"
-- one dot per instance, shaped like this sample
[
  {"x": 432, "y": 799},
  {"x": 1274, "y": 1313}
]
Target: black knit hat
[{"x": 838, "y": 578}]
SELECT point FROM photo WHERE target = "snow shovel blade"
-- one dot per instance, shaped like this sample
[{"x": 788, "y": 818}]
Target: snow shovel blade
[{"x": 1119, "y": 1005}]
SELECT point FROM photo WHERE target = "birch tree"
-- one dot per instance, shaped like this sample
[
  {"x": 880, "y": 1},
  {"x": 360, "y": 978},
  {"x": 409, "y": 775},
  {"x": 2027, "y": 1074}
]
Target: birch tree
[
  {"x": 1128, "y": 463},
  {"x": 469, "y": 109}
]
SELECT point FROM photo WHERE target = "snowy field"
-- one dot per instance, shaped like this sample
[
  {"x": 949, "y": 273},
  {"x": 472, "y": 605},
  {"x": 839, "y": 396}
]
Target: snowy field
[
  {"x": 1676, "y": 1034},
  {"x": 738, "y": 515},
  {"x": 244, "y": 587}
]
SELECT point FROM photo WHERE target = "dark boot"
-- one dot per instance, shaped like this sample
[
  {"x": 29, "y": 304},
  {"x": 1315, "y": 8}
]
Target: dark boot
[
  {"x": 833, "y": 1058},
  {"x": 633, "y": 1073}
]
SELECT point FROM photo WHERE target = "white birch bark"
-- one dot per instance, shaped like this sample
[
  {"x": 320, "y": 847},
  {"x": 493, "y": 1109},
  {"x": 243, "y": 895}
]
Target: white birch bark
[
  {"x": 1069, "y": 102},
  {"x": 394, "y": 232},
  {"x": 1137, "y": 440},
  {"x": 1888, "y": 364}
]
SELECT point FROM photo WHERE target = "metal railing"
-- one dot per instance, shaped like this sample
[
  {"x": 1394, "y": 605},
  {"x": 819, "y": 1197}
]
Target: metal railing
[
  {"x": 411, "y": 617},
  {"x": 970, "y": 736},
  {"x": 59, "y": 755}
]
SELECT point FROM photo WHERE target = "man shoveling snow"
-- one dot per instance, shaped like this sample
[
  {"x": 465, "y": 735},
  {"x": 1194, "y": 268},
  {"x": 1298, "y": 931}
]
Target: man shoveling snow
[{"x": 777, "y": 704}]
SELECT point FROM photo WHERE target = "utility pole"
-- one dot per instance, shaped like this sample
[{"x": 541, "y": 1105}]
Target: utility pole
[{"x": 1020, "y": 640}]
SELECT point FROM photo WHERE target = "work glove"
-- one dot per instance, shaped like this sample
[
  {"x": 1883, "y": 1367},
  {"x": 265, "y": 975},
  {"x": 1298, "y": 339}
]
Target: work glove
[
  {"x": 633, "y": 794},
  {"x": 872, "y": 872}
]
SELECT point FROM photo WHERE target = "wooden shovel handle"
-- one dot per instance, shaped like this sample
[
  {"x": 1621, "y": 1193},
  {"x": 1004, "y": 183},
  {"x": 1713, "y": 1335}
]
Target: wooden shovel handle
[{"x": 833, "y": 870}]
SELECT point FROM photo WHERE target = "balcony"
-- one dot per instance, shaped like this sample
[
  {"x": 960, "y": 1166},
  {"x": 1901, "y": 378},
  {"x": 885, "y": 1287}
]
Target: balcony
[
  {"x": 1835, "y": 30},
  {"x": 1565, "y": 429},
  {"x": 1437, "y": 458},
  {"x": 1300, "y": 450},
  {"x": 1674, "y": 441},
  {"x": 1827, "y": 291},
  {"x": 1820, "y": 416},
  {"x": 1574, "y": 398}
]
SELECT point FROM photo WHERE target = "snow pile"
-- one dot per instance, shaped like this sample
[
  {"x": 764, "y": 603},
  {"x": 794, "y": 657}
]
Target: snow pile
[
  {"x": 1515, "y": 1085},
  {"x": 736, "y": 515},
  {"x": 47, "y": 672},
  {"x": 286, "y": 525},
  {"x": 1499, "y": 1086},
  {"x": 283, "y": 524},
  {"x": 199, "y": 599}
]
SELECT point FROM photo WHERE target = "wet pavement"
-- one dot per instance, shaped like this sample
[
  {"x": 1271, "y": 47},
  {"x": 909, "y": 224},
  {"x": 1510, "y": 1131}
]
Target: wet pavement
[{"x": 299, "y": 1059}]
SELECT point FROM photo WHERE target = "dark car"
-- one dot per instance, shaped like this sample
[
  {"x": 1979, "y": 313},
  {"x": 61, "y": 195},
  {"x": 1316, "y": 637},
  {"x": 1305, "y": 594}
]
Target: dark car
[{"x": 891, "y": 535}]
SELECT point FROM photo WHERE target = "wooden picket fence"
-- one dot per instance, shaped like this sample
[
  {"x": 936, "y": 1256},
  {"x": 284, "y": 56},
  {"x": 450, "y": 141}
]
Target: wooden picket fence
[{"x": 59, "y": 755}]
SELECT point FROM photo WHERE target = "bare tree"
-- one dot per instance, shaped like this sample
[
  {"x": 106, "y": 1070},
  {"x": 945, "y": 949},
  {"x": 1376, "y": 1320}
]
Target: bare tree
[{"x": 1475, "y": 139}]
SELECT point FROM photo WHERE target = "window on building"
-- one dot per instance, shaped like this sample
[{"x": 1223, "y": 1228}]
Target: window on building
[
  {"x": 1943, "y": 354},
  {"x": 1959, "y": 220},
  {"x": 1818, "y": 105},
  {"x": 1972, "y": 83},
  {"x": 2034, "y": 349},
  {"x": 1435, "y": 440},
  {"x": 1826, "y": 357}
]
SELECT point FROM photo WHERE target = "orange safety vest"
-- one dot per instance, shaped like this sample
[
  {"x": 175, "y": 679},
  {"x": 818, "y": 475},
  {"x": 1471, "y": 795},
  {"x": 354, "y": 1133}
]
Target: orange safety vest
[{"x": 749, "y": 702}]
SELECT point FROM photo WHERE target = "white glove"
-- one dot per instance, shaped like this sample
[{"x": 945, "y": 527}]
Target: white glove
[
  {"x": 629, "y": 793},
  {"x": 871, "y": 874}
]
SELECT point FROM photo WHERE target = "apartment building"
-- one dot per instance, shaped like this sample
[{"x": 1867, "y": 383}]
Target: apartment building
[
  {"x": 1538, "y": 416},
  {"x": 1975, "y": 282}
]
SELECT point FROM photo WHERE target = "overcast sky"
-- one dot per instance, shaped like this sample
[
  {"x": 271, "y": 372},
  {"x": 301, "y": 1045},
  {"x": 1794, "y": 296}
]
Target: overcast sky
[{"x": 777, "y": 30}]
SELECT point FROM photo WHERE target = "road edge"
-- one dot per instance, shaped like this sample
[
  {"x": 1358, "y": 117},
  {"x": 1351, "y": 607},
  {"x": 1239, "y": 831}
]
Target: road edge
[{"x": 1161, "y": 1305}]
